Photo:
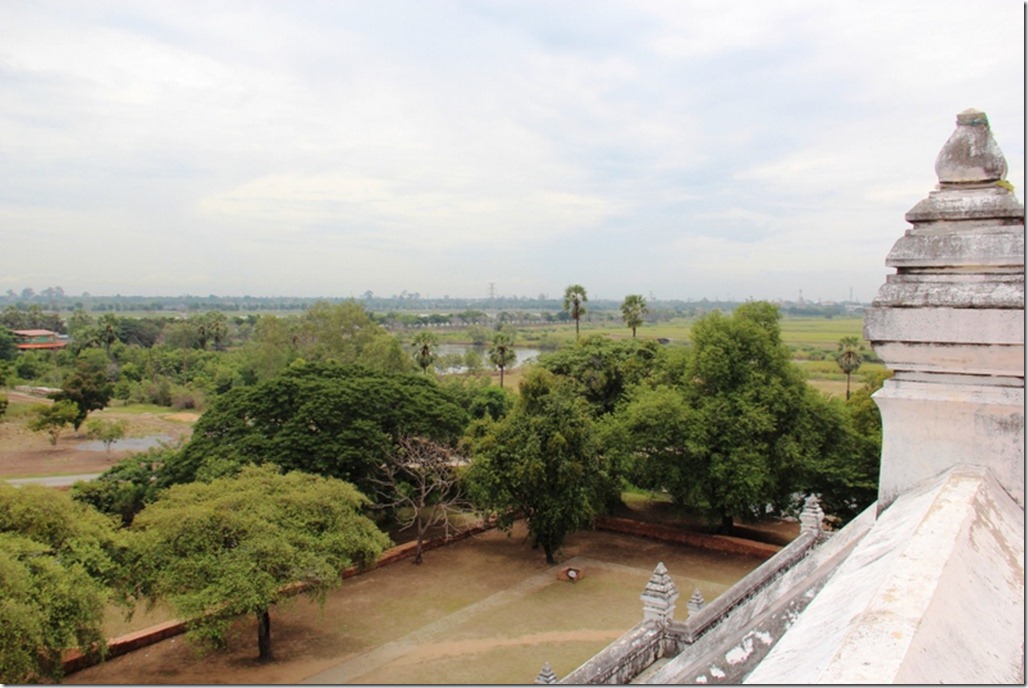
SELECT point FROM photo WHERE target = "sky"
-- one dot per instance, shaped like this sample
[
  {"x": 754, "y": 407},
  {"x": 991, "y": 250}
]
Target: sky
[{"x": 720, "y": 149}]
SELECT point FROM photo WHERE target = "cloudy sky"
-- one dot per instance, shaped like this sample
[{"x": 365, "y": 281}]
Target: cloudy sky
[{"x": 686, "y": 149}]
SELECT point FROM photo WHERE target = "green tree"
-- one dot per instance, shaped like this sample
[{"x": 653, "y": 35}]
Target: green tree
[
  {"x": 848, "y": 358},
  {"x": 211, "y": 327},
  {"x": 8, "y": 349},
  {"x": 603, "y": 369},
  {"x": 79, "y": 322},
  {"x": 748, "y": 405},
  {"x": 424, "y": 349},
  {"x": 127, "y": 486},
  {"x": 230, "y": 547},
  {"x": 107, "y": 331},
  {"x": 574, "y": 303},
  {"x": 87, "y": 386},
  {"x": 501, "y": 352},
  {"x": 649, "y": 437},
  {"x": 633, "y": 308},
  {"x": 542, "y": 462},
  {"x": 53, "y": 418},
  {"x": 60, "y": 563},
  {"x": 324, "y": 418},
  {"x": 107, "y": 431},
  {"x": 334, "y": 332}
]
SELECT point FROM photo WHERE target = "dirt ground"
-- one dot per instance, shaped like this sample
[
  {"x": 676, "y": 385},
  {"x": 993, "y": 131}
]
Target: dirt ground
[
  {"x": 484, "y": 610},
  {"x": 24, "y": 453}
]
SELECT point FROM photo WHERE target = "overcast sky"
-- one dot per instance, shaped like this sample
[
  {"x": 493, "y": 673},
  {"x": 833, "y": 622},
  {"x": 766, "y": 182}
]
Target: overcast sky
[{"x": 325, "y": 148}]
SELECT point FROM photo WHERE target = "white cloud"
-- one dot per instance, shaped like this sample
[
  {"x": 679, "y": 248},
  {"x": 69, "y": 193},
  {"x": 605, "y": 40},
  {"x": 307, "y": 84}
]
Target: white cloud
[{"x": 332, "y": 147}]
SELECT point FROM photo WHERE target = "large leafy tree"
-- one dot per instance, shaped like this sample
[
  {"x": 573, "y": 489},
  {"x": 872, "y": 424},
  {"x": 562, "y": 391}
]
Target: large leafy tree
[
  {"x": 633, "y": 308},
  {"x": 603, "y": 369},
  {"x": 217, "y": 550},
  {"x": 326, "y": 332},
  {"x": 87, "y": 386},
  {"x": 542, "y": 462},
  {"x": 324, "y": 418},
  {"x": 746, "y": 398},
  {"x": 574, "y": 303},
  {"x": 740, "y": 432},
  {"x": 60, "y": 563}
]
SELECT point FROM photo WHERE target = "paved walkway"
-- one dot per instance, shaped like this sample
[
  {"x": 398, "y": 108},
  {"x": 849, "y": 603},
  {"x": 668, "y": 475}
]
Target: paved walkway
[{"x": 391, "y": 651}]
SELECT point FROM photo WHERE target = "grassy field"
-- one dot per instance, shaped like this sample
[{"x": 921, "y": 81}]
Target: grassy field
[{"x": 814, "y": 342}]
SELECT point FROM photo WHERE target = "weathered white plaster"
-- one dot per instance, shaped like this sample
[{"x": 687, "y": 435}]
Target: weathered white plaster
[
  {"x": 934, "y": 593},
  {"x": 986, "y": 326},
  {"x": 950, "y": 324},
  {"x": 926, "y": 428}
]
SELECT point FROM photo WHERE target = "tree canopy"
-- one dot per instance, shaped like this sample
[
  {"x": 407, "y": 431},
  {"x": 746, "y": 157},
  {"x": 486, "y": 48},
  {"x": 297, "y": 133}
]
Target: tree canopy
[
  {"x": 60, "y": 563},
  {"x": 324, "y": 418},
  {"x": 542, "y": 462},
  {"x": 230, "y": 547},
  {"x": 603, "y": 369},
  {"x": 87, "y": 386},
  {"x": 740, "y": 433}
]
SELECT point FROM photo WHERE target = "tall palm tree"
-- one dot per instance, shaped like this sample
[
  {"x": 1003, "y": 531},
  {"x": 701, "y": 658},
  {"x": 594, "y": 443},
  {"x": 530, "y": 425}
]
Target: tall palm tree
[
  {"x": 501, "y": 353},
  {"x": 574, "y": 300},
  {"x": 848, "y": 358},
  {"x": 107, "y": 331},
  {"x": 424, "y": 349},
  {"x": 632, "y": 311}
]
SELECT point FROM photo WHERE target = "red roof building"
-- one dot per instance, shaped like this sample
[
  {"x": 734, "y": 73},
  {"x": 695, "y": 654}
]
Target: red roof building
[{"x": 39, "y": 339}]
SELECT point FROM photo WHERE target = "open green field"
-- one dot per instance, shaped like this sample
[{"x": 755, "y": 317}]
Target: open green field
[{"x": 814, "y": 342}]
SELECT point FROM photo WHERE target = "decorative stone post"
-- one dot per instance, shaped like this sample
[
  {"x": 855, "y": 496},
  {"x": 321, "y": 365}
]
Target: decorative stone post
[
  {"x": 696, "y": 602},
  {"x": 812, "y": 516},
  {"x": 950, "y": 324},
  {"x": 659, "y": 596},
  {"x": 546, "y": 675}
]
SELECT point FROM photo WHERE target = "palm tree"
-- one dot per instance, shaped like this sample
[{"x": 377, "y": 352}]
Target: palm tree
[
  {"x": 849, "y": 358},
  {"x": 107, "y": 331},
  {"x": 632, "y": 311},
  {"x": 574, "y": 298},
  {"x": 424, "y": 349},
  {"x": 501, "y": 353}
]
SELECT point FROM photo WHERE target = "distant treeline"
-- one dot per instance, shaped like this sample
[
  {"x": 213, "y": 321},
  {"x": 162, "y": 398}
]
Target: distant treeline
[{"x": 54, "y": 299}]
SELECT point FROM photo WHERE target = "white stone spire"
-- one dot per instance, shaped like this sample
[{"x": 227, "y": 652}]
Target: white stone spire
[{"x": 950, "y": 324}]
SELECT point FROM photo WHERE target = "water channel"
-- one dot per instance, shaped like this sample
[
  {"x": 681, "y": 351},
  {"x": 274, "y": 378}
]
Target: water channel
[{"x": 524, "y": 355}]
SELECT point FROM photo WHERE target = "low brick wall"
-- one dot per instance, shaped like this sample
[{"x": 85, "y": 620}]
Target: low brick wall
[{"x": 656, "y": 531}]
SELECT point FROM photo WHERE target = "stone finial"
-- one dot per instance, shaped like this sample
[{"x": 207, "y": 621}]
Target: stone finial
[
  {"x": 546, "y": 675},
  {"x": 659, "y": 596},
  {"x": 971, "y": 155},
  {"x": 950, "y": 324},
  {"x": 812, "y": 515},
  {"x": 696, "y": 602}
]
